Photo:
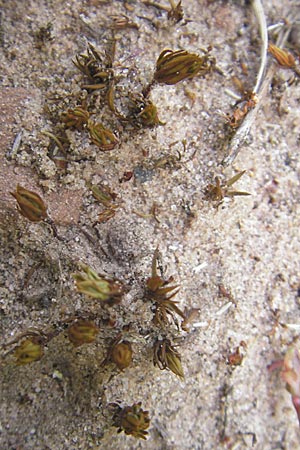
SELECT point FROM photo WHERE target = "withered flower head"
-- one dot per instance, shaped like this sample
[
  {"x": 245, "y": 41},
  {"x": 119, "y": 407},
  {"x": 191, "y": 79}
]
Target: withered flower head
[
  {"x": 133, "y": 420},
  {"x": 143, "y": 112},
  {"x": 95, "y": 68},
  {"x": 218, "y": 191},
  {"x": 166, "y": 357},
  {"x": 30, "y": 204},
  {"x": 82, "y": 332},
  {"x": 175, "y": 66},
  {"x": 121, "y": 354},
  {"x": 29, "y": 351},
  {"x": 76, "y": 118},
  {"x": 284, "y": 58},
  {"x": 93, "y": 285},
  {"x": 102, "y": 137}
]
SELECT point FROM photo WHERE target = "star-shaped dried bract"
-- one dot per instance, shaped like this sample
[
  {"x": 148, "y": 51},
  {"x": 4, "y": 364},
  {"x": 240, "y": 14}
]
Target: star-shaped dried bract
[
  {"x": 133, "y": 420},
  {"x": 161, "y": 294},
  {"x": 218, "y": 191},
  {"x": 96, "y": 68}
]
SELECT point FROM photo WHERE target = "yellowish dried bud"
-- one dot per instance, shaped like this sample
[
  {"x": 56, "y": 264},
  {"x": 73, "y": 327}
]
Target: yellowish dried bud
[
  {"x": 76, "y": 118},
  {"x": 121, "y": 354},
  {"x": 95, "y": 286},
  {"x": 103, "y": 194},
  {"x": 30, "y": 204},
  {"x": 133, "y": 421},
  {"x": 284, "y": 58},
  {"x": 102, "y": 137},
  {"x": 167, "y": 357},
  {"x": 143, "y": 113},
  {"x": 82, "y": 332},
  {"x": 172, "y": 67},
  {"x": 29, "y": 351},
  {"x": 148, "y": 117}
]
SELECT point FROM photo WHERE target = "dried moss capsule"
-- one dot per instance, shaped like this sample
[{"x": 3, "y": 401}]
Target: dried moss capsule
[
  {"x": 121, "y": 354},
  {"x": 82, "y": 332},
  {"x": 284, "y": 58},
  {"x": 29, "y": 351},
  {"x": 166, "y": 357},
  {"x": 95, "y": 286},
  {"x": 133, "y": 420},
  {"x": 102, "y": 137},
  {"x": 30, "y": 204},
  {"x": 175, "y": 66}
]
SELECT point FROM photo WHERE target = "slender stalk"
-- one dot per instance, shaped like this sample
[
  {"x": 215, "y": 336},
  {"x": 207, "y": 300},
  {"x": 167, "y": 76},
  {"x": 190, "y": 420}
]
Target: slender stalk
[
  {"x": 261, "y": 86},
  {"x": 262, "y": 23}
]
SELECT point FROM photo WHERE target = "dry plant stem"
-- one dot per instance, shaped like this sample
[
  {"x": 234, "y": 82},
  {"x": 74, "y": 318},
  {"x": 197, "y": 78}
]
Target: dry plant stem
[
  {"x": 260, "y": 15},
  {"x": 242, "y": 132}
]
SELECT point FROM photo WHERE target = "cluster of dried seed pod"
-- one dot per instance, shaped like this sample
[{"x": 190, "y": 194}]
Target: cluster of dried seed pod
[
  {"x": 171, "y": 67},
  {"x": 133, "y": 420}
]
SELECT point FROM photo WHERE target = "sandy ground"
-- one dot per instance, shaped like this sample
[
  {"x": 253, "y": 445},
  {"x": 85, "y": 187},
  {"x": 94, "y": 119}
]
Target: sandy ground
[{"x": 238, "y": 263}]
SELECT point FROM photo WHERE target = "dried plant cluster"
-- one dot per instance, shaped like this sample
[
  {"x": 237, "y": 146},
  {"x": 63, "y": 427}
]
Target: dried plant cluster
[
  {"x": 169, "y": 320},
  {"x": 108, "y": 292}
]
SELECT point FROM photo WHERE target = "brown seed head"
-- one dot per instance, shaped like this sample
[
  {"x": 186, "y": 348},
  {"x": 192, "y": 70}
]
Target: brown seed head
[
  {"x": 143, "y": 113},
  {"x": 175, "y": 66},
  {"x": 30, "y": 204},
  {"x": 133, "y": 421},
  {"x": 82, "y": 332},
  {"x": 121, "y": 354}
]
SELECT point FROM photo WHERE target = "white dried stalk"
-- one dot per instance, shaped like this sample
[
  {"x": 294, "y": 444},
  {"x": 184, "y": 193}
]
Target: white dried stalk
[{"x": 243, "y": 131}]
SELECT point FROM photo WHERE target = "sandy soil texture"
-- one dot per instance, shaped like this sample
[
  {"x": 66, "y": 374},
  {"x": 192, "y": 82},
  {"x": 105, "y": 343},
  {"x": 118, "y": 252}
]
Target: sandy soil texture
[{"x": 236, "y": 263}]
